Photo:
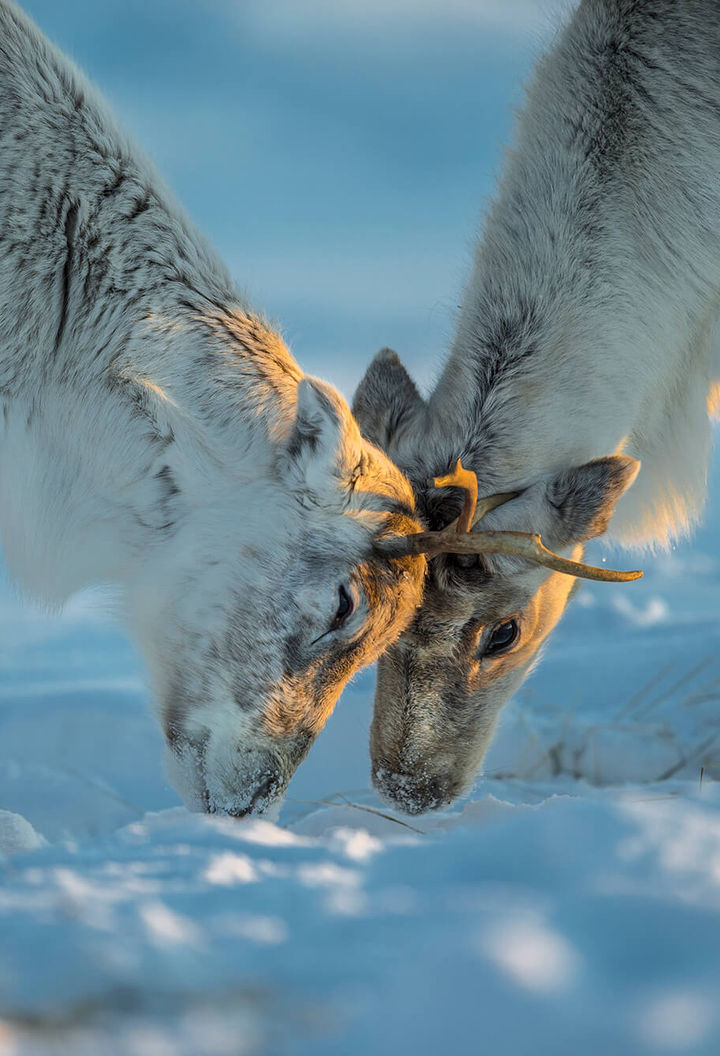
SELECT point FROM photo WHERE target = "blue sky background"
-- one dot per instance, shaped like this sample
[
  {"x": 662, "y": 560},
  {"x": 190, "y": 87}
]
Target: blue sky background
[{"x": 338, "y": 153}]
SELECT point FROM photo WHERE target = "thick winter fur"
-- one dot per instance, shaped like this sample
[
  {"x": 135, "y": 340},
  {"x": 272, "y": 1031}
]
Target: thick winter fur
[
  {"x": 588, "y": 331},
  {"x": 156, "y": 434}
]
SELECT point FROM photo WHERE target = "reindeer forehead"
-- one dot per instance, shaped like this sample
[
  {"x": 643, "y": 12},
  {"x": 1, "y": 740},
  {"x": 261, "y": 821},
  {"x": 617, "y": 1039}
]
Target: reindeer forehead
[
  {"x": 459, "y": 599},
  {"x": 328, "y": 546},
  {"x": 377, "y": 479}
]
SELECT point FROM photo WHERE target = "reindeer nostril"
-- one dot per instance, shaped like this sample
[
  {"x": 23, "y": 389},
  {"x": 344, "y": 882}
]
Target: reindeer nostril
[
  {"x": 412, "y": 793},
  {"x": 261, "y": 797}
]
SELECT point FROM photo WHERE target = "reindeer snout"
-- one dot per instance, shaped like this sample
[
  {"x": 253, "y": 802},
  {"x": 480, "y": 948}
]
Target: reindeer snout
[
  {"x": 244, "y": 802},
  {"x": 413, "y": 793},
  {"x": 264, "y": 794}
]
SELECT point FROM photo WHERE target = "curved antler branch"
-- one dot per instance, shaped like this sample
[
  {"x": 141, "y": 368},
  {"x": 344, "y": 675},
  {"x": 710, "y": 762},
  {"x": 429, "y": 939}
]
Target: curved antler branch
[
  {"x": 474, "y": 509},
  {"x": 491, "y": 502},
  {"x": 515, "y": 544},
  {"x": 465, "y": 479},
  {"x": 458, "y": 539}
]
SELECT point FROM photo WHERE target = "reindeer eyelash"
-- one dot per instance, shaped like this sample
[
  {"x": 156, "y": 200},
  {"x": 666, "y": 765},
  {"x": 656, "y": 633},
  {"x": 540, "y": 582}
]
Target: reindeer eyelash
[{"x": 347, "y": 604}]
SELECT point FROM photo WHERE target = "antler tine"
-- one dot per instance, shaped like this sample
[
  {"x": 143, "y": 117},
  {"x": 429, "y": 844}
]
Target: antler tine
[
  {"x": 530, "y": 546},
  {"x": 474, "y": 509},
  {"x": 460, "y": 478},
  {"x": 491, "y": 502},
  {"x": 458, "y": 539},
  {"x": 515, "y": 544}
]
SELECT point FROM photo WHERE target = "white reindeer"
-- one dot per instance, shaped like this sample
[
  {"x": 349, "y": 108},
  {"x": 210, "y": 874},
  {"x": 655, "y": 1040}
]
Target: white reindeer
[
  {"x": 586, "y": 341},
  {"x": 157, "y": 435}
]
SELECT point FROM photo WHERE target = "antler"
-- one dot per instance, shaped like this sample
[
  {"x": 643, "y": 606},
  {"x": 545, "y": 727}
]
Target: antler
[
  {"x": 473, "y": 510},
  {"x": 460, "y": 478},
  {"x": 458, "y": 539}
]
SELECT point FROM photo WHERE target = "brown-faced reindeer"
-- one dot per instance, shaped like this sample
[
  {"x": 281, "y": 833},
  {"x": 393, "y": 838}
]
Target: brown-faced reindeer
[{"x": 586, "y": 341}]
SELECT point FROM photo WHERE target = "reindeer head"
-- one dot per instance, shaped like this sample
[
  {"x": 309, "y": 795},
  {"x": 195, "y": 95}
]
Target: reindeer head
[
  {"x": 269, "y": 588},
  {"x": 491, "y": 598}
]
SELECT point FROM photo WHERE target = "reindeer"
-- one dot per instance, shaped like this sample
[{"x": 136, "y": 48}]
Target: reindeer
[
  {"x": 586, "y": 343},
  {"x": 157, "y": 435}
]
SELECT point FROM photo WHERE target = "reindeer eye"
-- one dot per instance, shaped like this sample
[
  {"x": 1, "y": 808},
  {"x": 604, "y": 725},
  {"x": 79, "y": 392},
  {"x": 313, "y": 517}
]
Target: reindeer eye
[
  {"x": 502, "y": 637},
  {"x": 346, "y": 606}
]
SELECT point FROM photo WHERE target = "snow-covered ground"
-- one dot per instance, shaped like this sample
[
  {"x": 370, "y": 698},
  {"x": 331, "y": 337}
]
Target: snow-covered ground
[{"x": 572, "y": 903}]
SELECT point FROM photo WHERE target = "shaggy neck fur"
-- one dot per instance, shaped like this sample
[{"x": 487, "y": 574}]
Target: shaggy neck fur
[
  {"x": 589, "y": 323},
  {"x": 120, "y": 334}
]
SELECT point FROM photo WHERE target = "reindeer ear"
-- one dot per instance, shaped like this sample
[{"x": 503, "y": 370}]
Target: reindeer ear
[
  {"x": 583, "y": 500},
  {"x": 318, "y": 423},
  {"x": 319, "y": 434},
  {"x": 386, "y": 400}
]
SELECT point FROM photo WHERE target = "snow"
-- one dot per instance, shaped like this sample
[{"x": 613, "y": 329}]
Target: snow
[
  {"x": 572, "y": 901},
  {"x": 17, "y": 835}
]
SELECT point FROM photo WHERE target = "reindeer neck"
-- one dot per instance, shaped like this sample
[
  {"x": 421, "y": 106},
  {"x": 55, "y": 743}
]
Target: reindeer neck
[
  {"x": 587, "y": 323},
  {"x": 120, "y": 333}
]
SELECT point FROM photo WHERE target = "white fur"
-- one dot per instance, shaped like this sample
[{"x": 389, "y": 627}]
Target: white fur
[
  {"x": 157, "y": 435},
  {"x": 618, "y": 259}
]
